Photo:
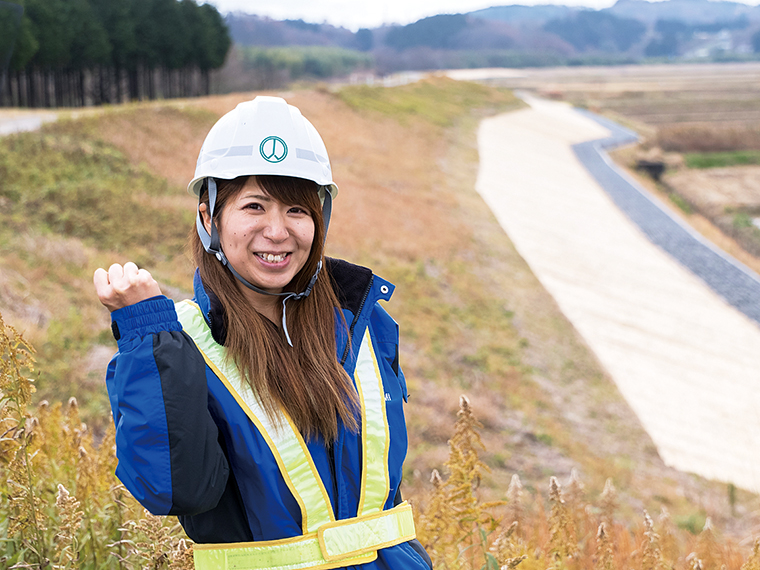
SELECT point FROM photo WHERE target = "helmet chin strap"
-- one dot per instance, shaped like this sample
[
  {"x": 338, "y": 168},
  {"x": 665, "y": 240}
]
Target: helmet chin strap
[{"x": 213, "y": 246}]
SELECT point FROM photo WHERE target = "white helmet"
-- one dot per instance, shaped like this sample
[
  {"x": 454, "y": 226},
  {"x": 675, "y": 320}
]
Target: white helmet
[
  {"x": 264, "y": 136},
  {"x": 260, "y": 137}
]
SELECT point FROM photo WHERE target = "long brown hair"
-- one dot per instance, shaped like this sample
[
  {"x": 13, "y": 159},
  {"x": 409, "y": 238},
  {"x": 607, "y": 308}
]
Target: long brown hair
[{"x": 306, "y": 379}]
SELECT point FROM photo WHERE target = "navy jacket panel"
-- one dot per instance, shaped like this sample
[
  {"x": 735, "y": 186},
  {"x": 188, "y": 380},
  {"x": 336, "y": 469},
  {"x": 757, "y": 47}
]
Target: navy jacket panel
[
  {"x": 199, "y": 468},
  {"x": 156, "y": 382},
  {"x": 142, "y": 438},
  {"x": 186, "y": 446}
]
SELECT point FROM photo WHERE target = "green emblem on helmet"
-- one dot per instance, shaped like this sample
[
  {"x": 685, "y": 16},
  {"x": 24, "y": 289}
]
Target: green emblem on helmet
[{"x": 273, "y": 149}]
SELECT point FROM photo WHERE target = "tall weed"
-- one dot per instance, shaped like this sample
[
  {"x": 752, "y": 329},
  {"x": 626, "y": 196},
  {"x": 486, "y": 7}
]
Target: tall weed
[
  {"x": 463, "y": 533},
  {"x": 62, "y": 506}
]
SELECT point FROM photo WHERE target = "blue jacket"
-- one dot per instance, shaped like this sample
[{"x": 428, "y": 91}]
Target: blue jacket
[{"x": 186, "y": 448}]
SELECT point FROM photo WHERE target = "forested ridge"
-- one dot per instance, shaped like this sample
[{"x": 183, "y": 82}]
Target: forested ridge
[{"x": 90, "y": 52}]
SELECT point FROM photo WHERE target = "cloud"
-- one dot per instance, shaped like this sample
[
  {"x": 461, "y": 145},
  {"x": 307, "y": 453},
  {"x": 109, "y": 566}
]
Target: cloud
[{"x": 351, "y": 14}]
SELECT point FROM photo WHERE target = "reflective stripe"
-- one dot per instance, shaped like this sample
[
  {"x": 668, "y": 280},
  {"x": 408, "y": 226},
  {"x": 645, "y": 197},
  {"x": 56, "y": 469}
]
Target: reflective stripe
[
  {"x": 325, "y": 543},
  {"x": 352, "y": 537},
  {"x": 342, "y": 543},
  {"x": 375, "y": 432},
  {"x": 285, "y": 442}
]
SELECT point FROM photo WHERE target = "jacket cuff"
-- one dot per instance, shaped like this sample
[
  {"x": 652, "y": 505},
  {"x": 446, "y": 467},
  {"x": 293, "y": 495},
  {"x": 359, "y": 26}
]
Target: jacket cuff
[{"x": 150, "y": 316}]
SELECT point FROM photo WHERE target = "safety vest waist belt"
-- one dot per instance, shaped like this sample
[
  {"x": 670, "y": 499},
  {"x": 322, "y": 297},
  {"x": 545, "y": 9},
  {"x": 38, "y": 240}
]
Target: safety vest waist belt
[{"x": 337, "y": 544}]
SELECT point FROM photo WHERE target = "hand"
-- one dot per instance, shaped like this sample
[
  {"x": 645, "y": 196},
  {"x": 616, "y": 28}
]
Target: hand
[{"x": 123, "y": 286}]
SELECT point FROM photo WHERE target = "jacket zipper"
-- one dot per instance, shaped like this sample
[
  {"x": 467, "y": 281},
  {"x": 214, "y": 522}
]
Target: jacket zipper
[{"x": 356, "y": 318}]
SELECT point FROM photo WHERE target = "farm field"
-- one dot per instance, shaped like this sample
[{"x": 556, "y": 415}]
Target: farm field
[
  {"x": 654, "y": 94},
  {"x": 84, "y": 193}
]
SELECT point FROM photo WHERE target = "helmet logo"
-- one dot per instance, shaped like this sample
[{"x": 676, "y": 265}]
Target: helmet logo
[{"x": 273, "y": 149}]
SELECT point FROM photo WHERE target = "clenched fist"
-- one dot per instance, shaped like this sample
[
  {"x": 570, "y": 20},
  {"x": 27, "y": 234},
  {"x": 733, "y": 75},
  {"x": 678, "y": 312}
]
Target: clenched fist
[{"x": 122, "y": 286}]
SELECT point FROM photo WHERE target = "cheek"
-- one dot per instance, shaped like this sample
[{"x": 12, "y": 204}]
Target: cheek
[
  {"x": 233, "y": 235},
  {"x": 308, "y": 233}
]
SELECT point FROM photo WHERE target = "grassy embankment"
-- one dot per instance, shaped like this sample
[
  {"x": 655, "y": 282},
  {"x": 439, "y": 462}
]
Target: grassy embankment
[{"x": 474, "y": 320}]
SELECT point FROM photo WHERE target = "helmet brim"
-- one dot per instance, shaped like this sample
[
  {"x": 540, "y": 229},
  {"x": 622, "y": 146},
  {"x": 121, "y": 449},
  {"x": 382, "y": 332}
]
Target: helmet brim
[{"x": 196, "y": 184}]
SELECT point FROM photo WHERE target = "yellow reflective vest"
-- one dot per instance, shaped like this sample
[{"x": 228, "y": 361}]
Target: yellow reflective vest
[{"x": 326, "y": 542}]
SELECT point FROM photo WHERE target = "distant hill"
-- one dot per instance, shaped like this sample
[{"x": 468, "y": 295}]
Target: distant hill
[
  {"x": 687, "y": 11},
  {"x": 253, "y": 30},
  {"x": 519, "y": 35},
  {"x": 520, "y": 14}
]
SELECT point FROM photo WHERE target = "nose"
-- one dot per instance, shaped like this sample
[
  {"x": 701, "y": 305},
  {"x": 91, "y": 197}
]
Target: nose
[{"x": 276, "y": 228}]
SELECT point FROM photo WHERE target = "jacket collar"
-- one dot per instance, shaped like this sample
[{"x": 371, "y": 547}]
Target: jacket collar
[{"x": 357, "y": 289}]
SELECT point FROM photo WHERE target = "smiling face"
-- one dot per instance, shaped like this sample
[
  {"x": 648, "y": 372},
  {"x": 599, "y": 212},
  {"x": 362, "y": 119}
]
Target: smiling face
[{"x": 267, "y": 241}]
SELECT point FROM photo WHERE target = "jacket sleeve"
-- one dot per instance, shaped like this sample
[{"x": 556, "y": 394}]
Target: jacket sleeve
[{"x": 167, "y": 442}]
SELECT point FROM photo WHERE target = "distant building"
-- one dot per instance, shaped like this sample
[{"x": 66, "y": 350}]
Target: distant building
[{"x": 706, "y": 44}]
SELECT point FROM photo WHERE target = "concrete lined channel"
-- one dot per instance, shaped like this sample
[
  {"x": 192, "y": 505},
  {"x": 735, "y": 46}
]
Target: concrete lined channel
[
  {"x": 634, "y": 283},
  {"x": 730, "y": 279}
]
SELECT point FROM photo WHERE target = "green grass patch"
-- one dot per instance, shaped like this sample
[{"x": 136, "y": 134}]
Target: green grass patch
[
  {"x": 718, "y": 159},
  {"x": 742, "y": 220},
  {"x": 693, "y": 523},
  {"x": 437, "y": 100},
  {"x": 304, "y": 62},
  {"x": 679, "y": 201},
  {"x": 64, "y": 181}
]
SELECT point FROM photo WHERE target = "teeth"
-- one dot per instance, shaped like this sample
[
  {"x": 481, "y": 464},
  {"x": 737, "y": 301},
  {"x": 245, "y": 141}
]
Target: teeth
[{"x": 273, "y": 258}]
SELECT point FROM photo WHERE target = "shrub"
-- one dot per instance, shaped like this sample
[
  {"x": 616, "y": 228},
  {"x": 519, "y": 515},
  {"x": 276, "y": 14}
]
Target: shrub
[{"x": 62, "y": 506}]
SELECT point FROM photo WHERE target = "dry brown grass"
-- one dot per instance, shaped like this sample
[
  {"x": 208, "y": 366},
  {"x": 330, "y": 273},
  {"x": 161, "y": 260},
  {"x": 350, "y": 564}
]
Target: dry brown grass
[
  {"x": 706, "y": 137},
  {"x": 656, "y": 94},
  {"x": 163, "y": 139},
  {"x": 389, "y": 177},
  {"x": 473, "y": 317},
  {"x": 577, "y": 530}
]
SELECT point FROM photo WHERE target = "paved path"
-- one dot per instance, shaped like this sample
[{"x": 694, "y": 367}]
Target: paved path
[
  {"x": 19, "y": 121},
  {"x": 686, "y": 360}
]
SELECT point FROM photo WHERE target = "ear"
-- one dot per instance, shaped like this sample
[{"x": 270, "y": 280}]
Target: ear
[{"x": 203, "y": 209}]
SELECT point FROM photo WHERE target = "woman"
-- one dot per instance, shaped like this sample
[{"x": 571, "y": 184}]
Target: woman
[{"x": 267, "y": 413}]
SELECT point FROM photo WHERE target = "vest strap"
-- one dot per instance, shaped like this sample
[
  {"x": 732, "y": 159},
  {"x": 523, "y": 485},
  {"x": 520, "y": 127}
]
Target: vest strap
[
  {"x": 375, "y": 434},
  {"x": 285, "y": 442},
  {"x": 332, "y": 546},
  {"x": 372, "y": 532}
]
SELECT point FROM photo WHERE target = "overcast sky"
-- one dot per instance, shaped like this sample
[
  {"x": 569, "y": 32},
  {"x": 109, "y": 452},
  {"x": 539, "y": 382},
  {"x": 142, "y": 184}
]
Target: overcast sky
[{"x": 355, "y": 14}]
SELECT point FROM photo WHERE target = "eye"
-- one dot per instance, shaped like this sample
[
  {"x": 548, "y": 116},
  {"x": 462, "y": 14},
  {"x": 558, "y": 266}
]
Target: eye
[
  {"x": 299, "y": 210},
  {"x": 253, "y": 206}
]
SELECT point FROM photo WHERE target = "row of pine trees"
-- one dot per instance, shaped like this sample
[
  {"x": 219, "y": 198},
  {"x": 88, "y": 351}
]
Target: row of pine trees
[{"x": 90, "y": 52}]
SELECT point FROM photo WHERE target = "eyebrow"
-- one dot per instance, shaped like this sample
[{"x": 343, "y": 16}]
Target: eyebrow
[{"x": 262, "y": 197}]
